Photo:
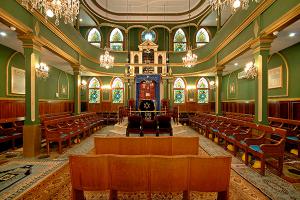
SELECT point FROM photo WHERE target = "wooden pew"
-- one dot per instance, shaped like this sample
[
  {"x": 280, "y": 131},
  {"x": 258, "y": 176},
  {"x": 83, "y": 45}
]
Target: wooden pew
[
  {"x": 66, "y": 128},
  {"x": 11, "y": 129},
  {"x": 292, "y": 127},
  {"x": 130, "y": 173},
  {"x": 167, "y": 145}
]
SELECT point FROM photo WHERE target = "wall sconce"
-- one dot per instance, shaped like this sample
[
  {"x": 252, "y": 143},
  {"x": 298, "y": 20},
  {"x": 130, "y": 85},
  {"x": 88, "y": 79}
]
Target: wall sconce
[
  {"x": 83, "y": 84},
  {"x": 105, "y": 87},
  {"x": 250, "y": 70},
  {"x": 212, "y": 85},
  {"x": 42, "y": 70}
]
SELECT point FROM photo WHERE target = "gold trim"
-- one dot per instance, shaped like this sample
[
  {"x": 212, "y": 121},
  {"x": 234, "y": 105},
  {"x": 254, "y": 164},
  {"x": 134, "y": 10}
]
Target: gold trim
[
  {"x": 287, "y": 75},
  {"x": 58, "y": 89},
  {"x": 237, "y": 88},
  {"x": 7, "y": 75},
  {"x": 285, "y": 19},
  {"x": 14, "y": 22},
  {"x": 238, "y": 101}
]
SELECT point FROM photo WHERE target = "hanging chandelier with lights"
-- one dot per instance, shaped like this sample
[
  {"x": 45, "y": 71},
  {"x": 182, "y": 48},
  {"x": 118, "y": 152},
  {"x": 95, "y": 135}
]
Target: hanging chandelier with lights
[
  {"x": 190, "y": 59},
  {"x": 232, "y": 4},
  {"x": 250, "y": 70},
  {"x": 106, "y": 60},
  {"x": 42, "y": 70},
  {"x": 68, "y": 9}
]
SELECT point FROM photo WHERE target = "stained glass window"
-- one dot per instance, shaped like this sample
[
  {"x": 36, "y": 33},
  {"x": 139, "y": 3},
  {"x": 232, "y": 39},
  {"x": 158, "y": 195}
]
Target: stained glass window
[
  {"x": 116, "y": 40},
  {"x": 202, "y": 37},
  {"x": 94, "y": 91},
  {"x": 148, "y": 35},
  {"x": 179, "y": 91},
  {"x": 202, "y": 88},
  {"x": 94, "y": 37},
  {"x": 179, "y": 40},
  {"x": 117, "y": 91}
]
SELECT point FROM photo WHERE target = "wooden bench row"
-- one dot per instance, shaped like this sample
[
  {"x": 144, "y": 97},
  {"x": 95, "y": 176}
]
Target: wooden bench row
[
  {"x": 132, "y": 173},
  {"x": 11, "y": 129},
  {"x": 66, "y": 128},
  {"x": 257, "y": 140},
  {"x": 292, "y": 127},
  {"x": 166, "y": 145}
]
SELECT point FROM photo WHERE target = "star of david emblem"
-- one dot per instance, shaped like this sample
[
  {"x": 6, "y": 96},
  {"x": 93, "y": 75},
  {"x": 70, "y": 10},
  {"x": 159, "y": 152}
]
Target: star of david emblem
[{"x": 146, "y": 105}]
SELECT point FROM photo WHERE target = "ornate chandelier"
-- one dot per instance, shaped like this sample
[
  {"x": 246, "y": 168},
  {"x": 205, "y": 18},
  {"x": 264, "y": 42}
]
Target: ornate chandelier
[
  {"x": 42, "y": 70},
  {"x": 68, "y": 9},
  {"x": 233, "y": 4},
  {"x": 189, "y": 59},
  {"x": 106, "y": 60}
]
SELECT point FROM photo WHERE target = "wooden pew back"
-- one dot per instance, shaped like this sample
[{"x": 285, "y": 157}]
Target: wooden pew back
[
  {"x": 149, "y": 173},
  {"x": 168, "y": 145}
]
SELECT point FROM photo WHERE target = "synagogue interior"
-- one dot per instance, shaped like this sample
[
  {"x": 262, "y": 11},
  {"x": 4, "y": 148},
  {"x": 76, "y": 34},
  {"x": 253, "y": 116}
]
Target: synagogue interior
[{"x": 147, "y": 99}]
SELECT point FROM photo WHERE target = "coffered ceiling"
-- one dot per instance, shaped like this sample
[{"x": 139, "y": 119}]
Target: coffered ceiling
[{"x": 143, "y": 11}]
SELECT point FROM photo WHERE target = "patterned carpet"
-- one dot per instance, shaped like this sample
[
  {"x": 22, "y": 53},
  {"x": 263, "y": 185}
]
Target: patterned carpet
[{"x": 53, "y": 182}]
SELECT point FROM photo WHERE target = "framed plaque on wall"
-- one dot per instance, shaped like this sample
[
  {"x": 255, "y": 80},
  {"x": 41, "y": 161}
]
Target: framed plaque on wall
[
  {"x": 275, "y": 78},
  {"x": 17, "y": 81}
]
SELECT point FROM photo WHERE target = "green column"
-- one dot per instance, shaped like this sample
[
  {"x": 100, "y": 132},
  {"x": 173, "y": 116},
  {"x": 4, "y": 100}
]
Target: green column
[
  {"x": 170, "y": 92},
  {"x": 261, "y": 52},
  {"x": 77, "y": 83},
  {"x": 218, "y": 95},
  {"x": 31, "y": 129},
  {"x": 165, "y": 85}
]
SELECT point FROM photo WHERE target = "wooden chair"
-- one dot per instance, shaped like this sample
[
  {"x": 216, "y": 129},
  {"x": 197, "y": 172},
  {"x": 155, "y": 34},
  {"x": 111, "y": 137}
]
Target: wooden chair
[
  {"x": 265, "y": 147},
  {"x": 134, "y": 125},
  {"x": 164, "y": 124},
  {"x": 149, "y": 127}
]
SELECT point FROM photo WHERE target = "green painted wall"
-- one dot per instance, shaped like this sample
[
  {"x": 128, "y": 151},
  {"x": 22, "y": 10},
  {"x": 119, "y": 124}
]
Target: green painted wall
[
  {"x": 57, "y": 82},
  {"x": 234, "y": 89}
]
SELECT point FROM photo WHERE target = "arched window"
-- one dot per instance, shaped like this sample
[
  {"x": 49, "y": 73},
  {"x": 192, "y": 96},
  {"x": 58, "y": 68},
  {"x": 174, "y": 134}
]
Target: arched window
[
  {"x": 94, "y": 91},
  {"x": 94, "y": 37},
  {"x": 202, "y": 90},
  {"x": 116, "y": 40},
  {"x": 179, "y": 91},
  {"x": 202, "y": 37},
  {"x": 117, "y": 91},
  {"x": 136, "y": 59},
  {"x": 148, "y": 35},
  {"x": 179, "y": 40}
]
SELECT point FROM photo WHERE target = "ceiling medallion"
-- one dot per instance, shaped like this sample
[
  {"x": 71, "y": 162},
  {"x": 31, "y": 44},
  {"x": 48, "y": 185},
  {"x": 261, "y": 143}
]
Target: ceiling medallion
[
  {"x": 68, "y": 9},
  {"x": 106, "y": 60},
  {"x": 233, "y": 4}
]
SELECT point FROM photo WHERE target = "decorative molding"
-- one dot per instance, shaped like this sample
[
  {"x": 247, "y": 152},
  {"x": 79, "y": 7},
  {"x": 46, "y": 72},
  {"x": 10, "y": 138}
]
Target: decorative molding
[
  {"x": 287, "y": 74},
  {"x": 14, "y": 22},
  {"x": 7, "y": 75},
  {"x": 282, "y": 21}
]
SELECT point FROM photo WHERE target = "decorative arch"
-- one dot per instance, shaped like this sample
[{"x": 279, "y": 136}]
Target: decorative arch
[
  {"x": 179, "y": 90},
  {"x": 94, "y": 90},
  {"x": 179, "y": 41},
  {"x": 202, "y": 90},
  {"x": 94, "y": 37},
  {"x": 116, "y": 40},
  {"x": 117, "y": 90},
  {"x": 202, "y": 37}
]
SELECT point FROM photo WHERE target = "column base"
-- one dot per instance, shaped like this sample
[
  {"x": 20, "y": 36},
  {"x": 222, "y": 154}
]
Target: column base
[{"x": 31, "y": 140}]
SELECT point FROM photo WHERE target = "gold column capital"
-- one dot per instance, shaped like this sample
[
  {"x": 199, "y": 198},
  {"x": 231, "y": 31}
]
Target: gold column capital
[
  {"x": 30, "y": 41},
  {"x": 262, "y": 43}
]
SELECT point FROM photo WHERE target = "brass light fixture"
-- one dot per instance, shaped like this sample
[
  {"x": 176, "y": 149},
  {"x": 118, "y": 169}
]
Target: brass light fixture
[{"x": 190, "y": 59}]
